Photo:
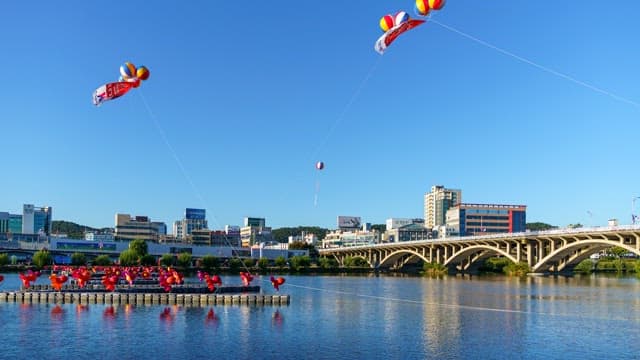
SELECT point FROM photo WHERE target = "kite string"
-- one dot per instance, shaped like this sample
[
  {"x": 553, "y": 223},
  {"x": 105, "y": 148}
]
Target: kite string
[
  {"x": 444, "y": 305},
  {"x": 185, "y": 174},
  {"x": 347, "y": 107},
  {"x": 536, "y": 65}
]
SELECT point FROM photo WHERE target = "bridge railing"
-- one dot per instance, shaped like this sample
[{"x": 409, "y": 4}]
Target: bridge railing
[{"x": 563, "y": 231}]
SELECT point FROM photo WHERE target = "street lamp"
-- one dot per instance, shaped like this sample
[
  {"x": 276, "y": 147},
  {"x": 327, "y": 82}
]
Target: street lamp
[{"x": 633, "y": 207}]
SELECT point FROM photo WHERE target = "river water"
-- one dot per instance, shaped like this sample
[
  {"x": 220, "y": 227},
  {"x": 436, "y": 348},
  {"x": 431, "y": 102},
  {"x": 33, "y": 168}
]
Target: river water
[{"x": 349, "y": 317}]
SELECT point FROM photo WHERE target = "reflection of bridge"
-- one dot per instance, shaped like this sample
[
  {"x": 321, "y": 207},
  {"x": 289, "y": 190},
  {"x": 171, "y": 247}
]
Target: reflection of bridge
[{"x": 543, "y": 251}]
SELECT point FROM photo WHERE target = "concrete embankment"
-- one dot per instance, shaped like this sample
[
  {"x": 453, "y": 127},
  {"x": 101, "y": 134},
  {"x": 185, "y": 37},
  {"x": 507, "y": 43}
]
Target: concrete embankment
[{"x": 116, "y": 298}]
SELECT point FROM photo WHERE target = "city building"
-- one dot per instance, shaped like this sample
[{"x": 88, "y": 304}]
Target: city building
[
  {"x": 36, "y": 219},
  {"x": 436, "y": 204},
  {"x": 307, "y": 238},
  {"x": 92, "y": 236},
  {"x": 408, "y": 232},
  {"x": 480, "y": 219},
  {"x": 131, "y": 228},
  {"x": 194, "y": 219},
  {"x": 340, "y": 238},
  {"x": 15, "y": 223},
  {"x": 4, "y": 222},
  {"x": 254, "y": 232},
  {"x": 215, "y": 238}
]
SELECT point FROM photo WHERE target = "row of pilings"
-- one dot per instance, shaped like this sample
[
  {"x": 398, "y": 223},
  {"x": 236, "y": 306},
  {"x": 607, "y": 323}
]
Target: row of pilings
[{"x": 35, "y": 297}]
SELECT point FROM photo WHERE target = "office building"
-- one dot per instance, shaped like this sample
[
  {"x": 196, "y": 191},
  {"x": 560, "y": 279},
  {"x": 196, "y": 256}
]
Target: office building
[
  {"x": 36, "y": 219},
  {"x": 131, "y": 228},
  {"x": 194, "y": 219},
  {"x": 254, "y": 232},
  {"x": 408, "y": 232},
  {"x": 483, "y": 219},
  {"x": 436, "y": 204}
]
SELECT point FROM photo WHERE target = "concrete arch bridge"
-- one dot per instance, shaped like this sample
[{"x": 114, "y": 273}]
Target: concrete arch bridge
[{"x": 544, "y": 251}]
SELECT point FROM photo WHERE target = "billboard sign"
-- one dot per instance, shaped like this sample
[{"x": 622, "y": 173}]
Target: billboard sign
[
  {"x": 195, "y": 214},
  {"x": 348, "y": 222}
]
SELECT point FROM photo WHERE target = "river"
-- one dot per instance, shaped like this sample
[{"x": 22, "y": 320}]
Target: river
[{"x": 349, "y": 317}]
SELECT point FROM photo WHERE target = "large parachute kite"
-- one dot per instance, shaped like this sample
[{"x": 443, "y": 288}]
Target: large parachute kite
[
  {"x": 130, "y": 77},
  {"x": 394, "y": 26}
]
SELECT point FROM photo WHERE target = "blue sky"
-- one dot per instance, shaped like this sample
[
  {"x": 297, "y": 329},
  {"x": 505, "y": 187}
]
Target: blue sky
[{"x": 245, "y": 97}]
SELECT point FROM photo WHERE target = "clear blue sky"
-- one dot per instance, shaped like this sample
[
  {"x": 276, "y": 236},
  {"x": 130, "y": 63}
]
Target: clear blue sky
[{"x": 249, "y": 95}]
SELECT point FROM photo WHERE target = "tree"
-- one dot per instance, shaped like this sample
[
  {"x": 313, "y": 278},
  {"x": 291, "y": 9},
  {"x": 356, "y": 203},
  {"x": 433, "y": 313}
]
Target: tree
[
  {"x": 4, "y": 259},
  {"x": 574, "y": 226},
  {"x": 300, "y": 245},
  {"x": 355, "y": 261},
  {"x": 102, "y": 260},
  {"x": 249, "y": 263},
  {"x": 129, "y": 257},
  {"x": 539, "y": 226},
  {"x": 78, "y": 259},
  {"x": 263, "y": 263},
  {"x": 299, "y": 262},
  {"x": 328, "y": 263},
  {"x": 281, "y": 262},
  {"x": 139, "y": 246},
  {"x": 42, "y": 258},
  {"x": 184, "y": 259},
  {"x": 235, "y": 264},
  {"x": 281, "y": 235},
  {"x": 167, "y": 260},
  {"x": 148, "y": 260},
  {"x": 210, "y": 262}
]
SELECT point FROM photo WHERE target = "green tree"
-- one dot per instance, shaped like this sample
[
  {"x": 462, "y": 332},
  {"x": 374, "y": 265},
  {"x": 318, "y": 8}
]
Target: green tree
[
  {"x": 300, "y": 262},
  {"x": 167, "y": 260},
  {"x": 42, "y": 258},
  {"x": 617, "y": 252},
  {"x": 148, "y": 260},
  {"x": 184, "y": 259},
  {"x": 263, "y": 263},
  {"x": 129, "y": 257},
  {"x": 210, "y": 262},
  {"x": 539, "y": 226},
  {"x": 585, "y": 266},
  {"x": 328, "y": 263},
  {"x": 354, "y": 261},
  {"x": 249, "y": 263},
  {"x": 519, "y": 269},
  {"x": 139, "y": 247},
  {"x": 301, "y": 245},
  {"x": 281, "y": 235},
  {"x": 4, "y": 259},
  {"x": 281, "y": 262},
  {"x": 102, "y": 260},
  {"x": 574, "y": 226},
  {"x": 435, "y": 269},
  {"x": 235, "y": 264},
  {"x": 78, "y": 259}
]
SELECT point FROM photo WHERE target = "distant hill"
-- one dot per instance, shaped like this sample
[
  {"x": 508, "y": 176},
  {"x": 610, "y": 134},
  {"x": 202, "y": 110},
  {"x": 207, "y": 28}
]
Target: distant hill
[
  {"x": 539, "y": 226},
  {"x": 73, "y": 230}
]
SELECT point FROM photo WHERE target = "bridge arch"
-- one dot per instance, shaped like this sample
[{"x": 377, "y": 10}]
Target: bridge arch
[
  {"x": 393, "y": 257},
  {"x": 586, "y": 248},
  {"x": 484, "y": 251}
]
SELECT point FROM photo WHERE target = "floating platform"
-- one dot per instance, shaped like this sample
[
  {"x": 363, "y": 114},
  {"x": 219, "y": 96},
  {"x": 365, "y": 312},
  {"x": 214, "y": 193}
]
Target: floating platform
[{"x": 117, "y": 298}]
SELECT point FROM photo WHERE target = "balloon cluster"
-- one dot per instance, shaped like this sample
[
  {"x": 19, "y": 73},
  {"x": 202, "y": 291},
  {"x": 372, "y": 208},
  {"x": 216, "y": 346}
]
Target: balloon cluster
[
  {"x": 58, "y": 280},
  {"x": 246, "y": 277},
  {"x": 424, "y": 6},
  {"x": 389, "y": 21},
  {"x": 82, "y": 276},
  {"x": 29, "y": 277},
  {"x": 276, "y": 282},
  {"x": 129, "y": 73},
  {"x": 169, "y": 277},
  {"x": 211, "y": 281}
]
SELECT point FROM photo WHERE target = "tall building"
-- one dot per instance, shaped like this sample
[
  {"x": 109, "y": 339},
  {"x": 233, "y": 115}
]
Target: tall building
[
  {"x": 15, "y": 223},
  {"x": 36, "y": 219},
  {"x": 4, "y": 222},
  {"x": 481, "y": 219},
  {"x": 194, "y": 219},
  {"x": 436, "y": 204},
  {"x": 132, "y": 228},
  {"x": 254, "y": 232}
]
